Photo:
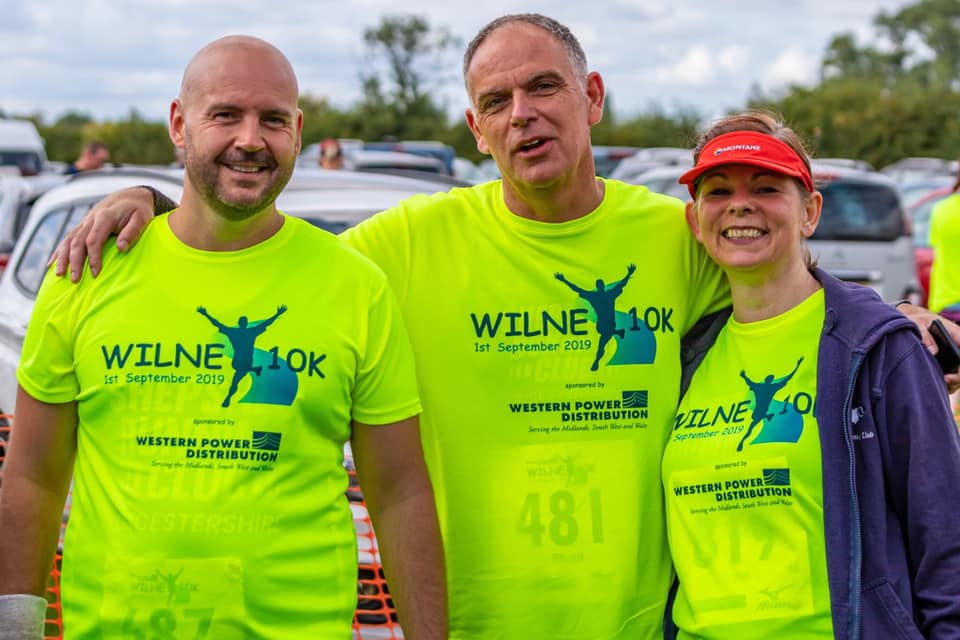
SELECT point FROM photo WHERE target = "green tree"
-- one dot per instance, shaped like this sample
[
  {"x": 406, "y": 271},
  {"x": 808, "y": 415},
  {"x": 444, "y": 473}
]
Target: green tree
[
  {"x": 936, "y": 25},
  {"x": 889, "y": 101},
  {"x": 406, "y": 57},
  {"x": 133, "y": 140}
]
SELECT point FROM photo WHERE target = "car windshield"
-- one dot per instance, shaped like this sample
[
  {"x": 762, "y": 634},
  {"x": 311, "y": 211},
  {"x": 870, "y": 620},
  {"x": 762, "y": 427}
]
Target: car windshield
[
  {"x": 27, "y": 161},
  {"x": 859, "y": 211}
]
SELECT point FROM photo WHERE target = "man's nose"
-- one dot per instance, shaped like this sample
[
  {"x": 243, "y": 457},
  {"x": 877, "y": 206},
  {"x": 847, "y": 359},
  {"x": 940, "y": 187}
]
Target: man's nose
[
  {"x": 250, "y": 134},
  {"x": 523, "y": 110}
]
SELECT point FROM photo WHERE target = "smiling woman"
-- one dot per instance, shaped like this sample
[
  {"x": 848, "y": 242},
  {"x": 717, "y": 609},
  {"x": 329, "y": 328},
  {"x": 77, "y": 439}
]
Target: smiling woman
[{"x": 769, "y": 549}]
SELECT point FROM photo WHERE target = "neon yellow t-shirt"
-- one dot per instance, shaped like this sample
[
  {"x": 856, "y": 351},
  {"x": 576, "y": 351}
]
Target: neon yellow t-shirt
[
  {"x": 743, "y": 481},
  {"x": 200, "y": 510},
  {"x": 547, "y": 471},
  {"x": 945, "y": 240}
]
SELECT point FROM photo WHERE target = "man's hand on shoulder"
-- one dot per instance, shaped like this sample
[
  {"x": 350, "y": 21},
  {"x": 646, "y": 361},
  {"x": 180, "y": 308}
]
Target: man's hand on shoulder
[
  {"x": 922, "y": 318},
  {"x": 125, "y": 213}
]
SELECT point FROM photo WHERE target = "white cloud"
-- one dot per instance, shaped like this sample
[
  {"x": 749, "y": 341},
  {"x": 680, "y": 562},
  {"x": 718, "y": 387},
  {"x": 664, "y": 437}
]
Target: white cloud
[
  {"x": 104, "y": 56},
  {"x": 734, "y": 59},
  {"x": 695, "y": 67},
  {"x": 793, "y": 66}
]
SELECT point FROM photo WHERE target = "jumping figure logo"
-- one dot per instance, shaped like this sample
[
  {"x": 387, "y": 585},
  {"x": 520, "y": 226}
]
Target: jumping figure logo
[
  {"x": 782, "y": 422},
  {"x": 635, "y": 342},
  {"x": 271, "y": 387}
]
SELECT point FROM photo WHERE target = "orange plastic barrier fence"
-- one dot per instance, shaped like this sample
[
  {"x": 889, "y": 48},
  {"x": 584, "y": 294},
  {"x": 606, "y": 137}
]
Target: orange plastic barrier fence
[{"x": 374, "y": 619}]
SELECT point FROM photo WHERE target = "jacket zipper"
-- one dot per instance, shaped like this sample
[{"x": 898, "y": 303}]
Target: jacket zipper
[{"x": 856, "y": 551}]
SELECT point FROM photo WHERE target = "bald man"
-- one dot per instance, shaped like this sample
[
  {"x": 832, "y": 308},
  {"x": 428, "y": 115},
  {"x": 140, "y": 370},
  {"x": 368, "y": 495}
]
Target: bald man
[{"x": 191, "y": 516}]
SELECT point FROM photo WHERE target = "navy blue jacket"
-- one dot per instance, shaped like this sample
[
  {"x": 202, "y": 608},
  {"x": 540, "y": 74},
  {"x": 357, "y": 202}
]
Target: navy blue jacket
[{"x": 891, "y": 470}]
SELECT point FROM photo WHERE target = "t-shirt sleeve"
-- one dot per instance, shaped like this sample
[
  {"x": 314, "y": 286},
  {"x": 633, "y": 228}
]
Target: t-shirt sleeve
[
  {"x": 709, "y": 287},
  {"x": 47, "y": 366},
  {"x": 386, "y": 240},
  {"x": 386, "y": 388},
  {"x": 933, "y": 229}
]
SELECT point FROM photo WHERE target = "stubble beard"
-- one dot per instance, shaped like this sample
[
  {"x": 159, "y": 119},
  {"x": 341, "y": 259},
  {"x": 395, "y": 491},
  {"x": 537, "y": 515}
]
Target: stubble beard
[{"x": 204, "y": 177}]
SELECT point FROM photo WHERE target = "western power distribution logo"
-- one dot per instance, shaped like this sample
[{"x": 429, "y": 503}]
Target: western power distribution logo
[
  {"x": 262, "y": 446},
  {"x": 771, "y": 483},
  {"x": 631, "y": 405},
  {"x": 598, "y": 323}
]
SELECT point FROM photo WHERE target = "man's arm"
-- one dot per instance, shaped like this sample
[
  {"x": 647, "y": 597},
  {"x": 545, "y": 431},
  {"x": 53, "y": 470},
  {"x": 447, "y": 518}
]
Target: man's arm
[
  {"x": 399, "y": 496},
  {"x": 203, "y": 311},
  {"x": 559, "y": 276},
  {"x": 280, "y": 310},
  {"x": 125, "y": 213},
  {"x": 922, "y": 318},
  {"x": 36, "y": 478}
]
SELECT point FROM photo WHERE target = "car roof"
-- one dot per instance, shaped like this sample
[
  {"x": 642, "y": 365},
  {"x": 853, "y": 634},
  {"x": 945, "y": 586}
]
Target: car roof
[
  {"x": 310, "y": 192},
  {"x": 828, "y": 171},
  {"x": 94, "y": 184}
]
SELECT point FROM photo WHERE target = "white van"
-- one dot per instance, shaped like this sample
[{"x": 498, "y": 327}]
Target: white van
[{"x": 21, "y": 146}]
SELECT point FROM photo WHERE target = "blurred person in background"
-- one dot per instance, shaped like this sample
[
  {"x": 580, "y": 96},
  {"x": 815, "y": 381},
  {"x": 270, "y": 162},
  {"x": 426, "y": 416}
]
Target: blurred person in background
[
  {"x": 331, "y": 154},
  {"x": 811, "y": 474},
  {"x": 945, "y": 241},
  {"x": 93, "y": 156},
  {"x": 192, "y": 514}
]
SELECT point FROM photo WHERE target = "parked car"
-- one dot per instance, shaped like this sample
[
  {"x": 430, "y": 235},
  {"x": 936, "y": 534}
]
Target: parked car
[
  {"x": 863, "y": 235},
  {"x": 21, "y": 146},
  {"x": 919, "y": 214},
  {"x": 607, "y": 158},
  {"x": 908, "y": 169},
  {"x": 849, "y": 163},
  {"x": 912, "y": 191},
  {"x": 356, "y": 158},
  {"x": 428, "y": 148},
  {"x": 647, "y": 159},
  {"x": 333, "y": 200},
  {"x": 17, "y": 195}
]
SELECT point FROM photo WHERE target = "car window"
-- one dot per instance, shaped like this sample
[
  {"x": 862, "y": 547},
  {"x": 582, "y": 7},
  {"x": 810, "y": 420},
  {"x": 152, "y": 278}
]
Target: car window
[
  {"x": 33, "y": 263},
  {"x": 335, "y": 227},
  {"x": 859, "y": 211},
  {"x": 27, "y": 161}
]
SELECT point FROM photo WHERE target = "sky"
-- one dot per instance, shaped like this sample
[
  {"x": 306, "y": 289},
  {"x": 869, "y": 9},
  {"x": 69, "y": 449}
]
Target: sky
[{"x": 106, "y": 57}]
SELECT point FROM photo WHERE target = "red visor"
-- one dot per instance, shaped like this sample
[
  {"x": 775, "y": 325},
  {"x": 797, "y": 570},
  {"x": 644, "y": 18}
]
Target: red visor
[{"x": 752, "y": 148}]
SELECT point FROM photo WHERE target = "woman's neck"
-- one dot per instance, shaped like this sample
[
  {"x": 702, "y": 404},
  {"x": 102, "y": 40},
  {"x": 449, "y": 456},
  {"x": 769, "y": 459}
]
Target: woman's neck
[{"x": 758, "y": 297}]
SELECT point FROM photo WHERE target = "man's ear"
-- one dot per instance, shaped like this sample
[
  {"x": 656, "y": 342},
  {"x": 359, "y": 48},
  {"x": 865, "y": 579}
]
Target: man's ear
[
  {"x": 299, "y": 130},
  {"x": 475, "y": 130},
  {"x": 176, "y": 123},
  {"x": 596, "y": 94}
]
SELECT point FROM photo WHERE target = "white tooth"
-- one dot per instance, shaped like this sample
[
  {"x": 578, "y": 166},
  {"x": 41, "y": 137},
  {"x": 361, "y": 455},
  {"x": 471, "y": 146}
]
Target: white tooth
[{"x": 743, "y": 233}]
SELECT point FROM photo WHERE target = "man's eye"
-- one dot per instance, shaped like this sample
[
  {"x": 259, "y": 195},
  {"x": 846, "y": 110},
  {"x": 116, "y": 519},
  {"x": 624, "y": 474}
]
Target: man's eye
[
  {"x": 543, "y": 87},
  {"x": 222, "y": 115},
  {"x": 491, "y": 103}
]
